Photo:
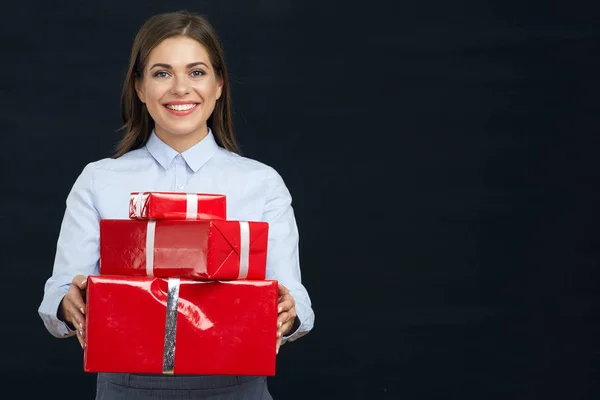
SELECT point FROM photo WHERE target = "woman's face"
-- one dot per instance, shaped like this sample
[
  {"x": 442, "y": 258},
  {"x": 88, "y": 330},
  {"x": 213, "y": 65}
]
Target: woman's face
[{"x": 179, "y": 88}]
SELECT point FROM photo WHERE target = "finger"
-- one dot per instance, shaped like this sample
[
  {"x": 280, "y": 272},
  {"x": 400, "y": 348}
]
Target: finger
[
  {"x": 82, "y": 327},
  {"x": 292, "y": 316},
  {"x": 285, "y": 305},
  {"x": 286, "y": 327},
  {"x": 80, "y": 281},
  {"x": 75, "y": 296},
  {"x": 278, "y": 345},
  {"x": 77, "y": 320},
  {"x": 80, "y": 338},
  {"x": 282, "y": 319},
  {"x": 286, "y": 315}
]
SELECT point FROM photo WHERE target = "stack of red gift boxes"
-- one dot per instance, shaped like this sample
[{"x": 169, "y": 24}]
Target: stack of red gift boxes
[{"x": 181, "y": 290}]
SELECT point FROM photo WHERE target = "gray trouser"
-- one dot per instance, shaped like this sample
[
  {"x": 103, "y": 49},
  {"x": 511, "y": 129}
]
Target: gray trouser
[{"x": 178, "y": 387}]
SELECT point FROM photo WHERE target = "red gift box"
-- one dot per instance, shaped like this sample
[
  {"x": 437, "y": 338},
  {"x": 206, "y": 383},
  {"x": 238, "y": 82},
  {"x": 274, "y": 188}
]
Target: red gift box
[
  {"x": 178, "y": 326},
  {"x": 173, "y": 205},
  {"x": 201, "y": 249}
]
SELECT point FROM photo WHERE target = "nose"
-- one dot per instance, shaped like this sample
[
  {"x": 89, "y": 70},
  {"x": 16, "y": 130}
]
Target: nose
[{"x": 180, "y": 86}]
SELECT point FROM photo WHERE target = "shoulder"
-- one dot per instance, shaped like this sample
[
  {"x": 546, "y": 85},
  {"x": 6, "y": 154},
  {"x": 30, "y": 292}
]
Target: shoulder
[
  {"x": 252, "y": 177},
  {"x": 107, "y": 169},
  {"x": 246, "y": 166},
  {"x": 134, "y": 157}
]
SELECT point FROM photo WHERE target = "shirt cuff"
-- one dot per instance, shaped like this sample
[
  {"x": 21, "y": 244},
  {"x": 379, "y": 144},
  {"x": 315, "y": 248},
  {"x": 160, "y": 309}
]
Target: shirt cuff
[
  {"x": 65, "y": 330},
  {"x": 48, "y": 311},
  {"x": 304, "y": 324}
]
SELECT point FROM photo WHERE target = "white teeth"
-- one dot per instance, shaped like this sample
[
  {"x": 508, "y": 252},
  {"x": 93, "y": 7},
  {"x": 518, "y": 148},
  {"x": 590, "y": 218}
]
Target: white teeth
[{"x": 180, "y": 107}]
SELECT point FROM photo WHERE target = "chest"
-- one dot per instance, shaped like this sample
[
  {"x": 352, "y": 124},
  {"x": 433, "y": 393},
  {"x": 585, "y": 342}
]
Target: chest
[{"x": 245, "y": 197}]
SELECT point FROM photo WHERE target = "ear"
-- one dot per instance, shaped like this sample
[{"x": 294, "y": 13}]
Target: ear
[
  {"x": 139, "y": 89},
  {"x": 219, "y": 88}
]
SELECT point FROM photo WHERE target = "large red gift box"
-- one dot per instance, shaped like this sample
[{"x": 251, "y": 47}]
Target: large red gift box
[
  {"x": 178, "y": 326},
  {"x": 175, "y": 205},
  {"x": 201, "y": 249}
]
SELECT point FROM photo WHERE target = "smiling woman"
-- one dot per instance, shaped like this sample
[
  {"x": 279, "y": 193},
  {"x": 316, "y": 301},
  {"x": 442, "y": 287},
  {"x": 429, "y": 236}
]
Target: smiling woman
[
  {"x": 176, "y": 62},
  {"x": 178, "y": 136},
  {"x": 187, "y": 86}
]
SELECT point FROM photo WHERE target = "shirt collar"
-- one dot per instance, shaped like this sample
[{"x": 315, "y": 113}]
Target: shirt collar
[{"x": 195, "y": 157}]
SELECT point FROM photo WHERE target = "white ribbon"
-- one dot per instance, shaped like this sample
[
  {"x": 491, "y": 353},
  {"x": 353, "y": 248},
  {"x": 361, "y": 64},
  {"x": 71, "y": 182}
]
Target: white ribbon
[
  {"x": 150, "y": 233},
  {"x": 138, "y": 205},
  {"x": 244, "y": 249},
  {"x": 191, "y": 210}
]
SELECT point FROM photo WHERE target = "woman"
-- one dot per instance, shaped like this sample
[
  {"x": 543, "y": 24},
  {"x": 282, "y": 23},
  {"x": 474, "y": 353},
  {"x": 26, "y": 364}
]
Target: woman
[{"x": 176, "y": 109}]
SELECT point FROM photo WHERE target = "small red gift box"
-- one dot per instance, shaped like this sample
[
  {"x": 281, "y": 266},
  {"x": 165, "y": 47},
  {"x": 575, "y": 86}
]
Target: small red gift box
[
  {"x": 174, "y": 205},
  {"x": 178, "y": 326},
  {"x": 200, "y": 249}
]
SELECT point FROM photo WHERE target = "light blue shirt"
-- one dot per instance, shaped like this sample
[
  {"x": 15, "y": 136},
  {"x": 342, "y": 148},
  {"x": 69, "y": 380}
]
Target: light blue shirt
[{"x": 254, "y": 192}]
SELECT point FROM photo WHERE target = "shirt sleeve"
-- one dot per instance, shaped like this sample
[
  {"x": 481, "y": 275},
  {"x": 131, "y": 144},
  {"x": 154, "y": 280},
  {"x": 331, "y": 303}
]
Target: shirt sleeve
[
  {"x": 283, "y": 263},
  {"x": 77, "y": 250}
]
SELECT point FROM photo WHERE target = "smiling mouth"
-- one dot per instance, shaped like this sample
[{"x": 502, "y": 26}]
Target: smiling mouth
[{"x": 181, "y": 107}]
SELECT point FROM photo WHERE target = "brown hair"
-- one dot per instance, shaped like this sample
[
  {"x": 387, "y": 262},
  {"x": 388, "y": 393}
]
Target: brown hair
[{"x": 137, "y": 122}]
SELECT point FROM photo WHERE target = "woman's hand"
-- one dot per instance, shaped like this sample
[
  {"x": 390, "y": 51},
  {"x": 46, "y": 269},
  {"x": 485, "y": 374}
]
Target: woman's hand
[
  {"x": 72, "y": 307},
  {"x": 286, "y": 314}
]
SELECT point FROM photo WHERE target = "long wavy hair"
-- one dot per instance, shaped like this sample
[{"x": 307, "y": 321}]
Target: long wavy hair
[{"x": 137, "y": 122}]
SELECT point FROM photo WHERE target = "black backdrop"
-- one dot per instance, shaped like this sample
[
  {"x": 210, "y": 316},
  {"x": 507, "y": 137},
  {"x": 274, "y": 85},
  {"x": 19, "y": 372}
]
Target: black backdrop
[{"x": 443, "y": 162}]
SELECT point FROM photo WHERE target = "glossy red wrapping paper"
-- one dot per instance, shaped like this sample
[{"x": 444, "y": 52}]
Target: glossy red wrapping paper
[
  {"x": 201, "y": 249},
  {"x": 222, "y": 328},
  {"x": 175, "y": 205}
]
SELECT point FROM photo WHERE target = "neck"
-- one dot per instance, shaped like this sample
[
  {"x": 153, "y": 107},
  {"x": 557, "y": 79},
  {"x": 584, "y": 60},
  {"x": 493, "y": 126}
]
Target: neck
[{"x": 181, "y": 143}]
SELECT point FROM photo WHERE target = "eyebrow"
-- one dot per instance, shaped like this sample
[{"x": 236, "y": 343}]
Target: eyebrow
[{"x": 167, "y": 66}]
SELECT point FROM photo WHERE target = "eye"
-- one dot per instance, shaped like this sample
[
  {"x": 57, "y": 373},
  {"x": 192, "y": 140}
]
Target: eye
[
  {"x": 197, "y": 73},
  {"x": 161, "y": 74}
]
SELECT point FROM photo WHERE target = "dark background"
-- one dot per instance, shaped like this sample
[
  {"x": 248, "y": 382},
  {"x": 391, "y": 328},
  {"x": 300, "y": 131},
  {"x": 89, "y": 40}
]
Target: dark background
[{"x": 442, "y": 156}]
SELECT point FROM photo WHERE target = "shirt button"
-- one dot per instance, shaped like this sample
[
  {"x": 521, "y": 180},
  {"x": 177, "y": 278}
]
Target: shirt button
[{"x": 180, "y": 187}]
